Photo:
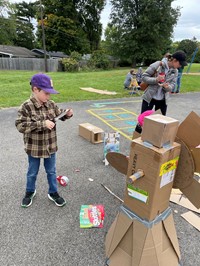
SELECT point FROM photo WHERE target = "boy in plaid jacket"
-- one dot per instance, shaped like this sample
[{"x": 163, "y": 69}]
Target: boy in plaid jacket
[{"x": 36, "y": 120}]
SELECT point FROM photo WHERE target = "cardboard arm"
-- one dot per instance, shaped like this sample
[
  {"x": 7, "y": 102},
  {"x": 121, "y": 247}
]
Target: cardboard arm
[{"x": 135, "y": 176}]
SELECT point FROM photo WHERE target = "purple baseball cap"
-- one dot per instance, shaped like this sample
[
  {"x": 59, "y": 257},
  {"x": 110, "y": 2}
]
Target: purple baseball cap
[{"x": 43, "y": 82}]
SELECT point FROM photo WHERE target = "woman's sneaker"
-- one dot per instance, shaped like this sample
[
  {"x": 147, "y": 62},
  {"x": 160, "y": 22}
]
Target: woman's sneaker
[
  {"x": 28, "y": 199},
  {"x": 59, "y": 201}
]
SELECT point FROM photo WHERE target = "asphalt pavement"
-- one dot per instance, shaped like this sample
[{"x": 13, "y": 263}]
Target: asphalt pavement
[{"x": 46, "y": 235}]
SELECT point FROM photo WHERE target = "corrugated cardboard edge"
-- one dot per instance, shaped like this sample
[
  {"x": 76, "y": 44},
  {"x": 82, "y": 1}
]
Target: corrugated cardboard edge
[
  {"x": 147, "y": 238},
  {"x": 184, "y": 202},
  {"x": 116, "y": 232},
  {"x": 192, "y": 218},
  {"x": 171, "y": 232},
  {"x": 191, "y": 125},
  {"x": 192, "y": 193}
]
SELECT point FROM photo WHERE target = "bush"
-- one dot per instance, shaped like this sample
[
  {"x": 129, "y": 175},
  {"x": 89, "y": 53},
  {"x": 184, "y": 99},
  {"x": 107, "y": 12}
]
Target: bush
[
  {"x": 70, "y": 65},
  {"x": 75, "y": 55},
  {"x": 99, "y": 60}
]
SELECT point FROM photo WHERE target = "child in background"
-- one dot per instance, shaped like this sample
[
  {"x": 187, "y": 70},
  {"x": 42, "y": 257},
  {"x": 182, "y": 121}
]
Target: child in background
[
  {"x": 131, "y": 83},
  {"x": 36, "y": 120},
  {"x": 139, "y": 75},
  {"x": 129, "y": 79}
]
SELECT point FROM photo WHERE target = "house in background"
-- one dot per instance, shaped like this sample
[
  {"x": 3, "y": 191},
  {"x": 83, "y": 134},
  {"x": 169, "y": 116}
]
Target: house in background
[
  {"x": 9, "y": 51},
  {"x": 52, "y": 55}
]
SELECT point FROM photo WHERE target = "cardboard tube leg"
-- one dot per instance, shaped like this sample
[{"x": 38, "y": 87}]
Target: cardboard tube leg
[{"x": 135, "y": 176}]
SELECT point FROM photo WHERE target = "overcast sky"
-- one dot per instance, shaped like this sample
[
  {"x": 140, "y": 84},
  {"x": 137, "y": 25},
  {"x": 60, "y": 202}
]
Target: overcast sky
[{"x": 188, "y": 24}]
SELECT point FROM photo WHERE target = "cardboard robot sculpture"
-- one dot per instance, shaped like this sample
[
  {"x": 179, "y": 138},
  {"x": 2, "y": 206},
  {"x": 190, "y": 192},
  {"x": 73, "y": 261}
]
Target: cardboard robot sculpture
[{"x": 143, "y": 232}]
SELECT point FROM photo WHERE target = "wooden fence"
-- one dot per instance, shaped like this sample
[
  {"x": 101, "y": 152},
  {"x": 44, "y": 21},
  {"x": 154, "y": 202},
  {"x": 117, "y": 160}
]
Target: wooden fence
[{"x": 29, "y": 64}]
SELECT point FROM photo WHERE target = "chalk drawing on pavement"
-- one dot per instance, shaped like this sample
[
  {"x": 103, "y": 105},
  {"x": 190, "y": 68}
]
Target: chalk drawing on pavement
[{"x": 119, "y": 119}]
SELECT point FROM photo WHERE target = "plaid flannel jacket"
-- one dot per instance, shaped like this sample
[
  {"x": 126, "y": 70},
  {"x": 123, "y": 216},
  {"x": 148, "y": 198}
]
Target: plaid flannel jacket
[{"x": 39, "y": 141}]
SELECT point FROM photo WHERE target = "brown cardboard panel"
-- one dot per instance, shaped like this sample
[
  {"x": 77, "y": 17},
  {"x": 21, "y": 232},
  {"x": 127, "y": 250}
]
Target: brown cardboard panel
[
  {"x": 118, "y": 161},
  {"x": 99, "y": 91},
  {"x": 153, "y": 246},
  {"x": 192, "y": 218},
  {"x": 83, "y": 131},
  {"x": 185, "y": 169},
  {"x": 169, "y": 258},
  {"x": 189, "y": 129},
  {"x": 120, "y": 257},
  {"x": 192, "y": 192},
  {"x": 176, "y": 191},
  {"x": 182, "y": 201},
  {"x": 149, "y": 195},
  {"x": 117, "y": 232},
  {"x": 158, "y": 238},
  {"x": 139, "y": 238},
  {"x": 127, "y": 241},
  {"x": 196, "y": 158},
  {"x": 110, "y": 235},
  {"x": 171, "y": 233},
  {"x": 159, "y": 130},
  {"x": 136, "y": 135},
  {"x": 91, "y": 133},
  {"x": 145, "y": 249}
]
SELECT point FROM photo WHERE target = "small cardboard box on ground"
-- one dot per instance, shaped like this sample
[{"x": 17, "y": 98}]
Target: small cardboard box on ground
[
  {"x": 149, "y": 195},
  {"x": 159, "y": 130},
  {"x": 91, "y": 133},
  {"x": 132, "y": 241}
]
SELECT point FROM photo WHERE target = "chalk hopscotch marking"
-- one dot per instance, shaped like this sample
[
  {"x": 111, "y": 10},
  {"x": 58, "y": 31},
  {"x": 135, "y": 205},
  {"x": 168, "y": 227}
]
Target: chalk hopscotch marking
[{"x": 119, "y": 119}]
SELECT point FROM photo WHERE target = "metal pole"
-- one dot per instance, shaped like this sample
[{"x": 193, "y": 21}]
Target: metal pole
[
  {"x": 194, "y": 54},
  {"x": 43, "y": 38}
]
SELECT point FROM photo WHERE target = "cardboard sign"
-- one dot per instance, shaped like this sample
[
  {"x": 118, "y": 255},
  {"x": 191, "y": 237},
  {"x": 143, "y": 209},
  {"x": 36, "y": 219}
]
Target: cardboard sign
[{"x": 111, "y": 144}]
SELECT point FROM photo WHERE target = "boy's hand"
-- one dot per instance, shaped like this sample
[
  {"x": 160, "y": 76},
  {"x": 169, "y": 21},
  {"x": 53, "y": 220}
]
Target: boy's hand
[
  {"x": 50, "y": 124},
  {"x": 69, "y": 113}
]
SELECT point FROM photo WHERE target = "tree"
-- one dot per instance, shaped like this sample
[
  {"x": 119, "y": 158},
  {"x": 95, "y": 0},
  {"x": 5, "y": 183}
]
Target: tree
[
  {"x": 72, "y": 25},
  {"x": 24, "y": 14},
  {"x": 140, "y": 30},
  {"x": 188, "y": 46},
  {"x": 89, "y": 12},
  {"x": 7, "y": 23},
  {"x": 62, "y": 27}
]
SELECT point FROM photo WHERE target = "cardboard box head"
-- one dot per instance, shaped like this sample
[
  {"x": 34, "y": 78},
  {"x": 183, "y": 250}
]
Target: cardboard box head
[{"x": 159, "y": 130}]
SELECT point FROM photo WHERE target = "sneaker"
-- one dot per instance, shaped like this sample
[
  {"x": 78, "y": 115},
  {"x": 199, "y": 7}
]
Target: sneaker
[
  {"x": 28, "y": 199},
  {"x": 59, "y": 201}
]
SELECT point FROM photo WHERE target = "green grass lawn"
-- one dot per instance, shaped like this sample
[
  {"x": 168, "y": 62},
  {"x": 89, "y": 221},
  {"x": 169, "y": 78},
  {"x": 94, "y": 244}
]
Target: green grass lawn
[{"x": 15, "y": 88}]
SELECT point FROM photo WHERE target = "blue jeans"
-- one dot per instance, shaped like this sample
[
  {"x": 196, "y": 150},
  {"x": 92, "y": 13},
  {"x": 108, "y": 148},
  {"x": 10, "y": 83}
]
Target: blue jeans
[
  {"x": 33, "y": 168},
  {"x": 178, "y": 82}
]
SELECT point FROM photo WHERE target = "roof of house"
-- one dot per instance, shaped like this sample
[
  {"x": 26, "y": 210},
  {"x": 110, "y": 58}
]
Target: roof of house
[
  {"x": 16, "y": 51},
  {"x": 50, "y": 54}
]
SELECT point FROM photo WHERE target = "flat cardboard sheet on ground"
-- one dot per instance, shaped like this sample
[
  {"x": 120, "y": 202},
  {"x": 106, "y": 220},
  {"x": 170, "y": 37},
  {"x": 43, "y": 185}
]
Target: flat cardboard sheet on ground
[
  {"x": 192, "y": 218},
  {"x": 99, "y": 91}
]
